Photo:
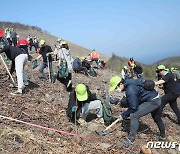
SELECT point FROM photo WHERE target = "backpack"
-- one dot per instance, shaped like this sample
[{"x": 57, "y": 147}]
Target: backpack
[
  {"x": 63, "y": 71},
  {"x": 92, "y": 72},
  {"x": 148, "y": 85},
  {"x": 107, "y": 112}
]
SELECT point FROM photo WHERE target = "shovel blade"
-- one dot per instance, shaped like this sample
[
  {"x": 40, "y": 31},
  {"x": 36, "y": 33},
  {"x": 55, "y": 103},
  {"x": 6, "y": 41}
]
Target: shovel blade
[{"x": 101, "y": 133}]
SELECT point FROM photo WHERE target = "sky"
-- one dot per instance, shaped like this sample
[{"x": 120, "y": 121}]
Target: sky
[{"x": 147, "y": 30}]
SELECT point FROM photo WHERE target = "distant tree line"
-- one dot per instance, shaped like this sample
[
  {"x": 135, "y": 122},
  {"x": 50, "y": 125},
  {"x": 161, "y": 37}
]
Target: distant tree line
[
  {"x": 116, "y": 63},
  {"x": 17, "y": 25}
]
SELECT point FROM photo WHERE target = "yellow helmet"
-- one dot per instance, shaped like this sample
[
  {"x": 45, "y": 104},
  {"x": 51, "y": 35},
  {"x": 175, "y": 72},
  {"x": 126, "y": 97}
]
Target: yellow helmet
[
  {"x": 64, "y": 42},
  {"x": 81, "y": 92},
  {"x": 58, "y": 40},
  {"x": 82, "y": 58},
  {"x": 115, "y": 80},
  {"x": 125, "y": 67},
  {"x": 161, "y": 67},
  {"x": 42, "y": 42}
]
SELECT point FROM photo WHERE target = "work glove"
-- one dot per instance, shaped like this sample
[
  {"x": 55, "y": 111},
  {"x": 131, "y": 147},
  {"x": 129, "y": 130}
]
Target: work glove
[
  {"x": 48, "y": 54},
  {"x": 120, "y": 118},
  {"x": 74, "y": 108}
]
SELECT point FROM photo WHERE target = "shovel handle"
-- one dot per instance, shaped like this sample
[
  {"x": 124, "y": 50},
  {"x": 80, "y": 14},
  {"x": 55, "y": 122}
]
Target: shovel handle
[
  {"x": 116, "y": 121},
  {"x": 7, "y": 69}
]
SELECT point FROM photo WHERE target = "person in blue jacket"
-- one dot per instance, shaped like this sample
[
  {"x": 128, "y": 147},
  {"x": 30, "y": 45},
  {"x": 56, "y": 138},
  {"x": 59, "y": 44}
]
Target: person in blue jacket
[
  {"x": 77, "y": 66},
  {"x": 142, "y": 99}
]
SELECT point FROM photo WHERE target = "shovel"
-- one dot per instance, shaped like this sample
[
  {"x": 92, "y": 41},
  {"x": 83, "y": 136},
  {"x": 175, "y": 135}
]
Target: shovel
[
  {"x": 49, "y": 69},
  {"x": 102, "y": 133}
]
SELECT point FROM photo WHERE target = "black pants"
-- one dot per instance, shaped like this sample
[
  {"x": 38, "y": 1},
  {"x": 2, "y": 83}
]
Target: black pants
[
  {"x": 83, "y": 69},
  {"x": 145, "y": 108},
  {"x": 67, "y": 82},
  {"x": 172, "y": 100},
  {"x": 14, "y": 41},
  {"x": 9, "y": 41}
]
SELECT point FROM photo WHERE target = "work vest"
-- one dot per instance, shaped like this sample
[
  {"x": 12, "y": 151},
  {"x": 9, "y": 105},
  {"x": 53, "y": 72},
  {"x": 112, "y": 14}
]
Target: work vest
[{"x": 94, "y": 55}]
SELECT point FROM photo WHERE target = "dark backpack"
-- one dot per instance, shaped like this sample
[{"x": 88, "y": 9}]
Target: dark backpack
[
  {"x": 107, "y": 112},
  {"x": 63, "y": 71},
  {"x": 92, "y": 72},
  {"x": 148, "y": 85}
]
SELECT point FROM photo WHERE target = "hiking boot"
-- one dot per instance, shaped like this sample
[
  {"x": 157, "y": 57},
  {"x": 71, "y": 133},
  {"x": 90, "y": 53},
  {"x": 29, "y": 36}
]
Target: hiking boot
[
  {"x": 160, "y": 138},
  {"x": 127, "y": 143},
  {"x": 81, "y": 121},
  {"x": 26, "y": 83},
  {"x": 16, "y": 93},
  {"x": 100, "y": 121}
]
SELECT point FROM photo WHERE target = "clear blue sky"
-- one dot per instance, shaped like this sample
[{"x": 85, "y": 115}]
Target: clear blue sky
[{"x": 147, "y": 30}]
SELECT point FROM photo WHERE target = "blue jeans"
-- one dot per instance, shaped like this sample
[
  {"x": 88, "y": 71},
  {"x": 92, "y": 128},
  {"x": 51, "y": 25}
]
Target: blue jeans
[{"x": 43, "y": 66}]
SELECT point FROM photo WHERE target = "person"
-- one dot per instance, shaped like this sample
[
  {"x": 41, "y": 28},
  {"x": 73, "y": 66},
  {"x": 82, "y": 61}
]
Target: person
[
  {"x": 81, "y": 102},
  {"x": 125, "y": 73},
  {"x": 14, "y": 37},
  {"x": 171, "y": 89},
  {"x": 176, "y": 74},
  {"x": 59, "y": 43},
  {"x": 8, "y": 36},
  {"x": 1, "y": 35},
  {"x": 131, "y": 64},
  {"x": 36, "y": 43},
  {"x": 102, "y": 63},
  {"x": 2, "y": 40},
  {"x": 65, "y": 54},
  {"x": 138, "y": 70},
  {"x": 23, "y": 44},
  {"x": 89, "y": 57},
  {"x": 45, "y": 52},
  {"x": 85, "y": 63},
  {"x": 77, "y": 66},
  {"x": 30, "y": 40},
  {"x": 56, "y": 50},
  {"x": 19, "y": 59},
  {"x": 141, "y": 101},
  {"x": 95, "y": 57}
]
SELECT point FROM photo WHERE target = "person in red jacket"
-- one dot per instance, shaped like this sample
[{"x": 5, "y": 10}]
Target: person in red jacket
[
  {"x": 1, "y": 33},
  {"x": 2, "y": 42}
]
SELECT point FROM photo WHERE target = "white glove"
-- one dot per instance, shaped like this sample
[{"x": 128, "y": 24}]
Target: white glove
[
  {"x": 120, "y": 118},
  {"x": 47, "y": 54}
]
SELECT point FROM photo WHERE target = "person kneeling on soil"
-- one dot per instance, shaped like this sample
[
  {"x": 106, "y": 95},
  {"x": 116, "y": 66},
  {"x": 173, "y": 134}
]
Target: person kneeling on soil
[
  {"x": 81, "y": 102},
  {"x": 142, "y": 99}
]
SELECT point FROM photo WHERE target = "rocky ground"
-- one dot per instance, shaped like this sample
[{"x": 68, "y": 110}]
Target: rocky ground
[{"x": 45, "y": 103}]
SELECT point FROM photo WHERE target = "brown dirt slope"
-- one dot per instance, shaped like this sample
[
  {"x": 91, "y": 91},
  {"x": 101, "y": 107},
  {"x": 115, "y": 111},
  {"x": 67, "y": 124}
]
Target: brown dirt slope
[{"x": 44, "y": 104}]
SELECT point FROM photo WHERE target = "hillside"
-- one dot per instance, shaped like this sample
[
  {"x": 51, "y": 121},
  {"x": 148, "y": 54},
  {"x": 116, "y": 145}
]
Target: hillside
[
  {"x": 169, "y": 62},
  {"x": 44, "y": 105},
  {"x": 24, "y": 30}
]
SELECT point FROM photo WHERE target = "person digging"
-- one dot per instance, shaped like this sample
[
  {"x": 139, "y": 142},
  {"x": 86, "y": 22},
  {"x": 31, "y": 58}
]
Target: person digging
[
  {"x": 81, "y": 102},
  {"x": 142, "y": 100}
]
